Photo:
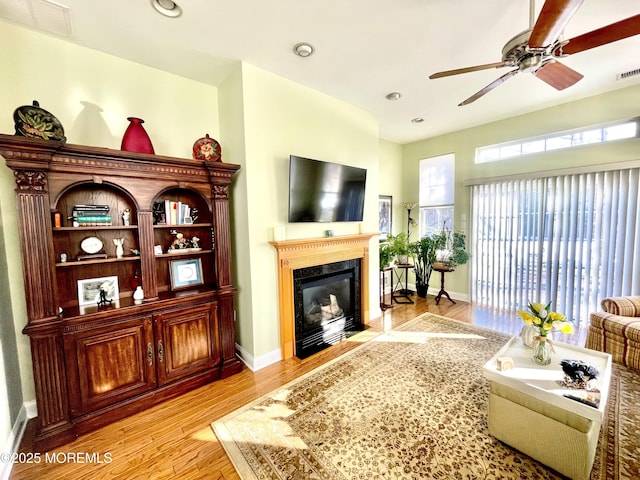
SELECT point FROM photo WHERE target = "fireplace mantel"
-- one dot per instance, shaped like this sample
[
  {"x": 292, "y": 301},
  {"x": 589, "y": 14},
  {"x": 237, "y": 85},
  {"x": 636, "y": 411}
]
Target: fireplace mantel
[{"x": 308, "y": 252}]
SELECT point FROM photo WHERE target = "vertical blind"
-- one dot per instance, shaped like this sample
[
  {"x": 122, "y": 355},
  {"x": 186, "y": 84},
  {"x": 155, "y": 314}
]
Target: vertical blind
[{"x": 570, "y": 239}]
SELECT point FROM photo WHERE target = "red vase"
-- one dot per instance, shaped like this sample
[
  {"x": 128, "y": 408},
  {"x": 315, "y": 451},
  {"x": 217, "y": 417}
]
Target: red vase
[{"x": 135, "y": 137}]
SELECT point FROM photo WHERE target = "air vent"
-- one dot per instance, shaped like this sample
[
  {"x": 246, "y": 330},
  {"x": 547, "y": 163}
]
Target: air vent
[
  {"x": 630, "y": 73},
  {"x": 45, "y": 15}
]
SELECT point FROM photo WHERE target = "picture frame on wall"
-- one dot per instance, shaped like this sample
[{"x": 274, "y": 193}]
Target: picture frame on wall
[
  {"x": 89, "y": 290},
  {"x": 185, "y": 273},
  {"x": 385, "y": 208}
]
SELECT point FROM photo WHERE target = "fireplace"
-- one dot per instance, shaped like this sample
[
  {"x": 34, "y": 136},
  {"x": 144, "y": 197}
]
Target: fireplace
[
  {"x": 327, "y": 305},
  {"x": 310, "y": 252}
]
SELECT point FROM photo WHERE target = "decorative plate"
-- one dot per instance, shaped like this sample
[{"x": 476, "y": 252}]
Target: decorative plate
[
  {"x": 91, "y": 245},
  {"x": 207, "y": 148},
  {"x": 33, "y": 121}
]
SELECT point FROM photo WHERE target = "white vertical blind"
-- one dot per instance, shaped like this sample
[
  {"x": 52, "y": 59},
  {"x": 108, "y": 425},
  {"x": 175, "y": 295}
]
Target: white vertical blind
[{"x": 571, "y": 239}]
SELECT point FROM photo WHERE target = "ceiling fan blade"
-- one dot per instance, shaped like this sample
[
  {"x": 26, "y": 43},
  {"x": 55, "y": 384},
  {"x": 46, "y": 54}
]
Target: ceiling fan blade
[
  {"x": 458, "y": 71},
  {"x": 602, "y": 36},
  {"x": 489, "y": 87},
  {"x": 554, "y": 16},
  {"x": 558, "y": 75}
]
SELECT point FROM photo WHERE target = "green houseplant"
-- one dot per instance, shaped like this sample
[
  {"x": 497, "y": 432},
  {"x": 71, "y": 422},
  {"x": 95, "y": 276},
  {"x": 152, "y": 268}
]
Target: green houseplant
[
  {"x": 400, "y": 247},
  {"x": 424, "y": 251},
  {"x": 453, "y": 247},
  {"x": 386, "y": 253}
]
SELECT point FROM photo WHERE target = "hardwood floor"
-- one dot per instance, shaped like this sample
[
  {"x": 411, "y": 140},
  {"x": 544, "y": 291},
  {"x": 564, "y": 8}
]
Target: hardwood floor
[{"x": 174, "y": 440}]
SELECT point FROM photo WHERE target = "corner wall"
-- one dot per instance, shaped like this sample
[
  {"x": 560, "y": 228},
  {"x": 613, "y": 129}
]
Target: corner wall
[{"x": 282, "y": 118}]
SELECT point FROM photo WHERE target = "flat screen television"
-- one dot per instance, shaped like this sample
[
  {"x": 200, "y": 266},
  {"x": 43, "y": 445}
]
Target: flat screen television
[{"x": 325, "y": 192}]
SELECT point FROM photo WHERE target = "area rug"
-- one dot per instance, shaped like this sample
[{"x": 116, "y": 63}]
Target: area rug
[{"x": 409, "y": 404}]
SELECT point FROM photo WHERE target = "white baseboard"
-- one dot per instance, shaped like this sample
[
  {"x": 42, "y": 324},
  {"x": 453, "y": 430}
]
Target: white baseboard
[
  {"x": 15, "y": 437},
  {"x": 257, "y": 363},
  {"x": 463, "y": 297}
]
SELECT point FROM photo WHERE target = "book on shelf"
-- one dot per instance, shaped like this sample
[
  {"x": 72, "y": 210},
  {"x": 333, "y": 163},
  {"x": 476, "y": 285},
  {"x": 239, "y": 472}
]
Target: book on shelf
[
  {"x": 175, "y": 213},
  {"x": 91, "y": 216}
]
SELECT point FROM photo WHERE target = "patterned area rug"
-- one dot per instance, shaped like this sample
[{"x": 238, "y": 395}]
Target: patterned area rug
[{"x": 409, "y": 404}]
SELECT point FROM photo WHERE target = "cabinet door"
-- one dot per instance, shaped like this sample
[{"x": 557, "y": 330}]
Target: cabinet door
[
  {"x": 186, "y": 342},
  {"x": 110, "y": 364}
]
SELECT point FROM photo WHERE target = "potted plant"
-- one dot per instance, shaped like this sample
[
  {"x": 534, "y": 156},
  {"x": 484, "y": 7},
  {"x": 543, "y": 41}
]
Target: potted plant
[
  {"x": 400, "y": 246},
  {"x": 424, "y": 251},
  {"x": 452, "y": 249},
  {"x": 386, "y": 254}
]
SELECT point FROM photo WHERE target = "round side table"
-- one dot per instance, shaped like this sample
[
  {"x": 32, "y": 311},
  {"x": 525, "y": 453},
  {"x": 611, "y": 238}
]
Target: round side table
[{"x": 442, "y": 268}]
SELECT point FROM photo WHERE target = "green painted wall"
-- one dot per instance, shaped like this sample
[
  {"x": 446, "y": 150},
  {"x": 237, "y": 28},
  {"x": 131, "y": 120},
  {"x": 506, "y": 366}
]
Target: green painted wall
[
  {"x": 613, "y": 106},
  {"x": 283, "y": 118},
  {"x": 92, "y": 94}
]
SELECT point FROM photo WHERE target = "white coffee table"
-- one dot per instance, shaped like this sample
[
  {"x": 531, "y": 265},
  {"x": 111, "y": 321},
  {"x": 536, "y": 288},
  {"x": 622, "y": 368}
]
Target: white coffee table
[{"x": 527, "y": 409}]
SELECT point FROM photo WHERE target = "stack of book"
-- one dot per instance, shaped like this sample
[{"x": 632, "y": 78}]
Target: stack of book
[
  {"x": 91, "y": 216},
  {"x": 175, "y": 213}
]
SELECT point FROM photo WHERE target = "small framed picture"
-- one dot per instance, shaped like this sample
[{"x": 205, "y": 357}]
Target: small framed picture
[
  {"x": 185, "y": 273},
  {"x": 89, "y": 290},
  {"x": 385, "y": 205}
]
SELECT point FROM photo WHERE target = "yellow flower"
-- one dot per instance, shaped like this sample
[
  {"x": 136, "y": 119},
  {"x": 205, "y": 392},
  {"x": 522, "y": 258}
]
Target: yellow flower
[
  {"x": 566, "y": 327},
  {"x": 554, "y": 316},
  {"x": 527, "y": 317},
  {"x": 539, "y": 310},
  {"x": 544, "y": 319}
]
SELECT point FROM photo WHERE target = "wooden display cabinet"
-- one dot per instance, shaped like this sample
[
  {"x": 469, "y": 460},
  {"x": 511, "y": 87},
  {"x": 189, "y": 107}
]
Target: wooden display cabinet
[{"x": 93, "y": 364}]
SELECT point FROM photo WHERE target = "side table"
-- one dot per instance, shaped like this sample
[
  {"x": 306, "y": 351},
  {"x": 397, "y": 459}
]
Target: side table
[
  {"x": 442, "y": 268},
  {"x": 402, "y": 269},
  {"x": 383, "y": 273}
]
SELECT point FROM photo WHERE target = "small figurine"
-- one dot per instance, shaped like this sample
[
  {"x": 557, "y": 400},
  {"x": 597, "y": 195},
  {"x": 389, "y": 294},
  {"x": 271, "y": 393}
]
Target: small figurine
[
  {"x": 103, "y": 299},
  {"x": 180, "y": 242},
  {"x": 126, "y": 217},
  {"x": 194, "y": 242},
  {"x": 119, "y": 249}
]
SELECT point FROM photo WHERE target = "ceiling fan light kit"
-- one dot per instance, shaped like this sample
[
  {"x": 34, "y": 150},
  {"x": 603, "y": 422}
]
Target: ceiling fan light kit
[{"x": 537, "y": 49}]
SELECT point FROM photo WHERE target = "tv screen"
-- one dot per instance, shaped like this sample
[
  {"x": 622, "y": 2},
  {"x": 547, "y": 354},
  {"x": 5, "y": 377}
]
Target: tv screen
[{"x": 324, "y": 191}]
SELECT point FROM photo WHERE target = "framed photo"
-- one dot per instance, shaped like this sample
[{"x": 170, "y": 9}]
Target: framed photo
[
  {"x": 385, "y": 206},
  {"x": 185, "y": 273},
  {"x": 89, "y": 290}
]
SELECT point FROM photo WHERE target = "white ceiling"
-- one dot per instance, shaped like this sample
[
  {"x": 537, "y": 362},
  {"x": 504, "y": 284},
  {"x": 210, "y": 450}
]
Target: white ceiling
[{"x": 365, "y": 49}]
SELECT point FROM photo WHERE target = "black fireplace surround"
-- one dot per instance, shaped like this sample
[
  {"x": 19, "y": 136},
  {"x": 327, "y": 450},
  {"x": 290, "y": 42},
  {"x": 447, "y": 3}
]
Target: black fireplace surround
[{"x": 327, "y": 305}]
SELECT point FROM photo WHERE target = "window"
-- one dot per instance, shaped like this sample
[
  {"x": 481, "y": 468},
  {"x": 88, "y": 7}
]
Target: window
[
  {"x": 436, "y": 193},
  {"x": 555, "y": 141},
  {"x": 571, "y": 239}
]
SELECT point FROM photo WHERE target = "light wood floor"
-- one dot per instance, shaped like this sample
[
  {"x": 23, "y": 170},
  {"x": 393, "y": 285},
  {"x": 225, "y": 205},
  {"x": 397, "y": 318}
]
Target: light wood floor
[{"x": 174, "y": 440}]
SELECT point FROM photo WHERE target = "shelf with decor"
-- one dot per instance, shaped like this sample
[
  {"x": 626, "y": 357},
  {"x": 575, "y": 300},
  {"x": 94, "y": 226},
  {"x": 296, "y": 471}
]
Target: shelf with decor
[{"x": 98, "y": 353}]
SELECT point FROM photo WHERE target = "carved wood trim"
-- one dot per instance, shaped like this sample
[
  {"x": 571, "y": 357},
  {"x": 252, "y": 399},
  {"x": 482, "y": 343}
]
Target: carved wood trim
[{"x": 294, "y": 254}]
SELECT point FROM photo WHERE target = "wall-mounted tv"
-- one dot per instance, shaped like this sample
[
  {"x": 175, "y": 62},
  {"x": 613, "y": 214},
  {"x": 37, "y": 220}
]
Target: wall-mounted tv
[{"x": 325, "y": 192}]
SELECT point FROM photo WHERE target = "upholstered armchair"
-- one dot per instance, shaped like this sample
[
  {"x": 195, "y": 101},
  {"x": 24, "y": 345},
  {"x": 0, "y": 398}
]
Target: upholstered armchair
[{"x": 617, "y": 330}]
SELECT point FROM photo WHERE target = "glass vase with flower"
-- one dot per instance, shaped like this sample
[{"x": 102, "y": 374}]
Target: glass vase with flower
[{"x": 544, "y": 321}]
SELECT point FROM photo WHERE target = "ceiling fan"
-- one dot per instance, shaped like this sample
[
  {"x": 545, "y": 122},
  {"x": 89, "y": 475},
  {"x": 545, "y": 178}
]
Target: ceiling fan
[{"x": 537, "y": 49}]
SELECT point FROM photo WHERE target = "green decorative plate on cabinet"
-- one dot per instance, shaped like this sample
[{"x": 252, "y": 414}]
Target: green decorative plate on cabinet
[{"x": 35, "y": 122}]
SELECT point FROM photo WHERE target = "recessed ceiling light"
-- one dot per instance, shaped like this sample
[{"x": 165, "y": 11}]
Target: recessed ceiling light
[
  {"x": 168, "y": 8},
  {"x": 417, "y": 120},
  {"x": 303, "y": 49},
  {"x": 393, "y": 96}
]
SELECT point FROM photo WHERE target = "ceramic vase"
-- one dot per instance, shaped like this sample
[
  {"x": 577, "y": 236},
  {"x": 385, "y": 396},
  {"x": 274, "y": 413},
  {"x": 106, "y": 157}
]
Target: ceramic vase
[
  {"x": 528, "y": 334},
  {"x": 135, "y": 137},
  {"x": 138, "y": 295}
]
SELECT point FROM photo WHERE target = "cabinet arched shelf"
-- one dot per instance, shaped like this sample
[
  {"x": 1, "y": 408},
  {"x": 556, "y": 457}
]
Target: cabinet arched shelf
[
  {"x": 183, "y": 229},
  {"x": 94, "y": 365}
]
